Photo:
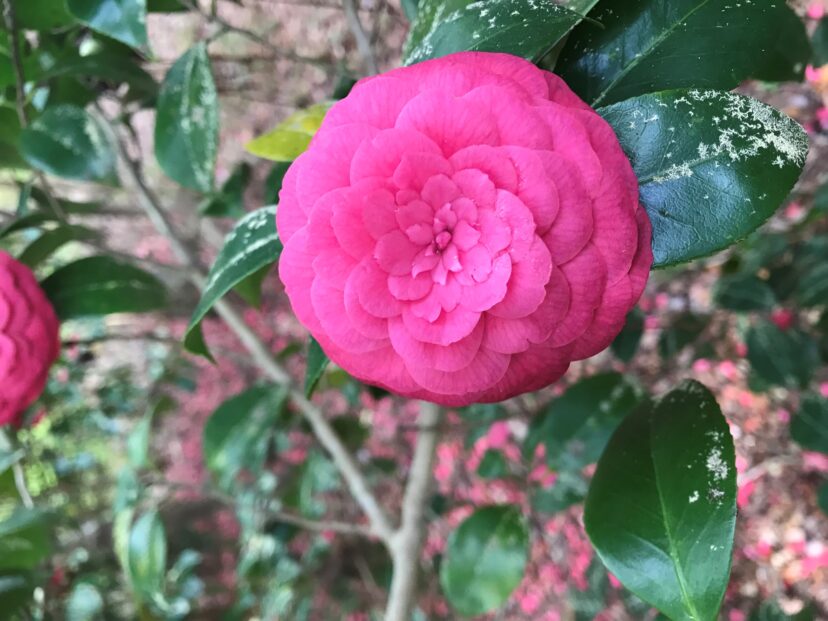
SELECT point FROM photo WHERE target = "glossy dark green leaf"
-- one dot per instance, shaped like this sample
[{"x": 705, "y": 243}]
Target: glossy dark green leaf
[
  {"x": 68, "y": 142},
  {"x": 712, "y": 166},
  {"x": 781, "y": 357},
  {"x": 527, "y": 29},
  {"x": 644, "y": 46},
  {"x": 819, "y": 42},
  {"x": 318, "y": 361},
  {"x": 743, "y": 293},
  {"x": 50, "y": 240},
  {"x": 485, "y": 559},
  {"x": 186, "y": 124},
  {"x": 411, "y": 8},
  {"x": 661, "y": 509},
  {"x": 100, "y": 286},
  {"x": 238, "y": 433},
  {"x": 165, "y": 6},
  {"x": 228, "y": 202},
  {"x": 123, "y": 20},
  {"x": 626, "y": 343},
  {"x": 147, "y": 554},
  {"x": 273, "y": 183},
  {"x": 812, "y": 287},
  {"x": 85, "y": 603},
  {"x": 351, "y": 431},
  {"x": 576, "y": 426},
  {"x": 252, "y": 245},
  {"x": 809, "y": 427},
  {"x": 25, "y": 539},
  {"x": 569, "y": 489}
]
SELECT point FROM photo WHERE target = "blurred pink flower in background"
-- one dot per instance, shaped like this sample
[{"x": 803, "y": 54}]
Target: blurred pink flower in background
[{"x": 462, "y": 229}]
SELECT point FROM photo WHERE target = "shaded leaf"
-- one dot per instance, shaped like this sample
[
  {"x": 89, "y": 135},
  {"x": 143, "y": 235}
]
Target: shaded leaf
[
  {"x": 102, "y": 285},
  {"x": 661, "y": 509},
  {"x": 569, "y": 489},
  {"x": 576, "y": 426},
  {"x": 485, "y": 559},
  {"x": 228, "y": 202},
  {"x": 25, "y": 539},
  {"x": 626, "y": 343},
  {"x": 809, "y": 427},
  {"x": 50, "y": 240},
  {"x": 743, "y": 293},
  {"x": 492, "y": 465},
  {"x": 781, "y": 357},
  {"x": 238, "y": 433},
  {"x": 124, "y": 20},
  {"x": 147, "y": 553},
  {"x": 318, "y": 361}
]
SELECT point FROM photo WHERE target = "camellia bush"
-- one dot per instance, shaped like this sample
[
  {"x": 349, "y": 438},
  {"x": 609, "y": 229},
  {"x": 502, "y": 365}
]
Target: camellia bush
[{"x": 417, "y": 310}]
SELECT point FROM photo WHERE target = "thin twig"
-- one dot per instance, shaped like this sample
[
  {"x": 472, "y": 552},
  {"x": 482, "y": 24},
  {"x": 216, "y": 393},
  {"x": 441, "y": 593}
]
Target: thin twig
[
  {"x": 103, "y": 338},
  {"x": 345, "y": 462},
  {"x": 20, "y": 484},
  {"x": 362, "y": 40},
  {"x": 408, "y": 540}
]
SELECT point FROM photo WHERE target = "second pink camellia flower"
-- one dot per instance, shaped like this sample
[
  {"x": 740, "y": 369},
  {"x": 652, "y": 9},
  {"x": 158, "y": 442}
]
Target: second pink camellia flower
[
  {"x": 28, "y": 339},
  {"x": 462, "y": 229}
]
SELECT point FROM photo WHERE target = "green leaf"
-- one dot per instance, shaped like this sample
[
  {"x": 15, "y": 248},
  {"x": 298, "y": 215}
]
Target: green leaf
[
  {"x": 570, "y": 488},
  {"x": 576, "y": 426},
  {"x": 16, "y": 591},
  {"x": 492, "y": 465},
  {"x": 822, "y": 497},
  {"x": 84, "y": 603},
  {"x": 124, "y": 20},
  {"x": 410, "y": 8},
  {"x": 290, "y": 138},
  {"x": 781, "y": 357},
  {"x": 50, "y": 240},
  {"x": 68, "y": 142},
  {"x": 252, "y": 245},
  {"x": 626, "y": 343},
  {"x": 527, "y": 29},
  {"x": 712, "y": 167},
  {"x": 138, "y": 441},
  {"x": 812, "y": 288},
  {"x": 238, "y": 433},
  {"x": 770, "y": 611},
  {"x": 273, "y": 183},
  {"x": 229, "y": 201},
  {"x": 644, "y": 46},
  {"x": 743, "y": 293},
  {"x": 102, "y": 285},
  {"x": 682, "y": 331},
  {"x": 25, "y": 539},
  {"x": 485, "y": 559},
  {"x": 107, "y": 67},
  {"x": 819, "y": 42},
  {"x": 809, "y": 427},
  {"x": 41, "y": 14},
  {"x": 661, "y": 509},
  {"x": 318, "y": 361},
  {"x": 186, "y": 124},
  {"x": 147, "y": 553}
]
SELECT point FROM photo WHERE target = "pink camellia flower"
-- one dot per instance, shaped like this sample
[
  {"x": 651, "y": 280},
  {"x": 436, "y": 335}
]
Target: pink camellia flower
[
  {"x": 28, "y": 339},
  {"x": 462, "y": 229}
]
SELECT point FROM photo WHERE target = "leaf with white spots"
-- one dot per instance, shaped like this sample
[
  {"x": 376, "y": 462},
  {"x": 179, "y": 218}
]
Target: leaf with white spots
[
  {"x": 186, "y": 123},
  {"x": 712, "y": 166},
  {"x": 68, "y": 142},
  {"x": 527, "y": 28},
  {"x": 644, "y": 46},
  {"x": 251, "y": 246},
  {"x": 661, "y": 509}
]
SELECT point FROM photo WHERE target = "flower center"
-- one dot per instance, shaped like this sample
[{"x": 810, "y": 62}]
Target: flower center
[{"x": 441, "y": 241}]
